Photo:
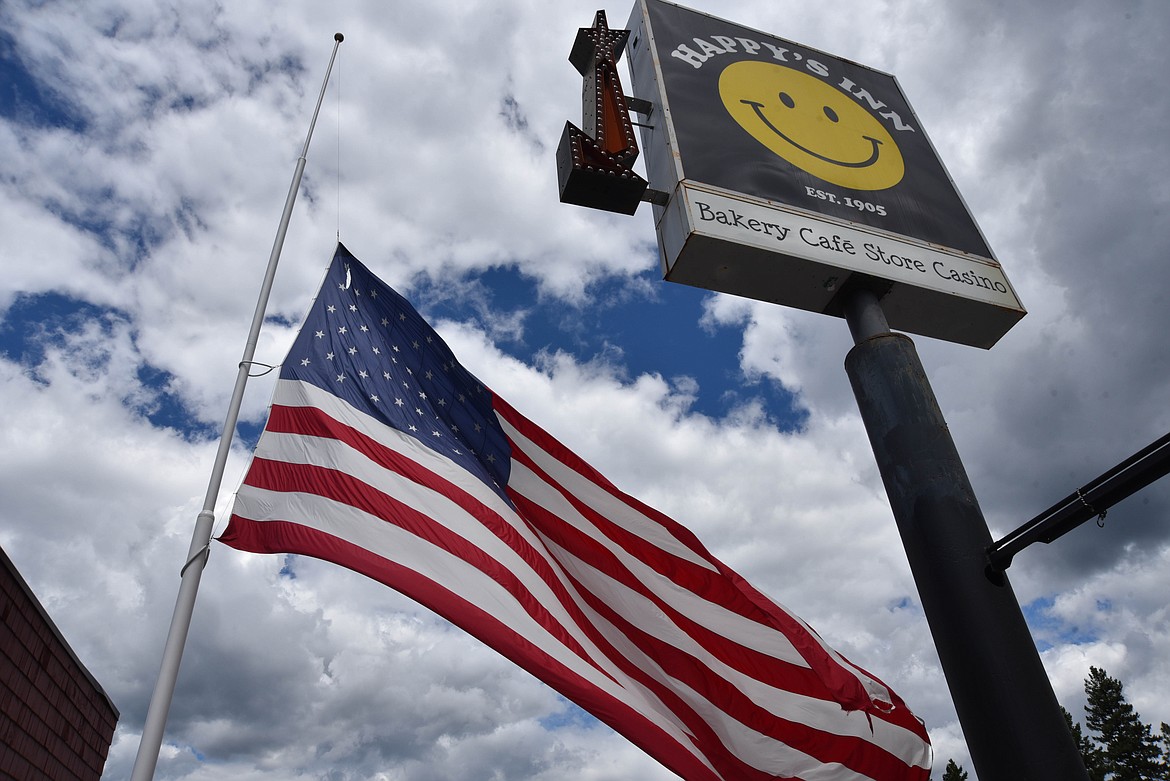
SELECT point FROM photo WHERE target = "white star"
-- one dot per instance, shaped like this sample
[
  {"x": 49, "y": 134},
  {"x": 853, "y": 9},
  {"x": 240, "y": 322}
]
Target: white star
[
  {"x": 374, "y": 399},
  {"x": 412, "y": 428},
  {"x": 442, "y": 402},
  {"x": 365, "y": 330},
  {"x": 364, "y": 374},
  {"x": 373, "y": 294},
  {"x": 320, "y": 334},
  {"x": 436, "y": 434},
  {"x": 329, "y": 356},
  {"x": 385, "y": 321},
  {"x": 353, "y": 307},
  {"x": 341, "y": 378},
  {"x": 398, "y": 402},
  {"x": 430, "y": 376},
  {"x": 377, "y": 351},
  {"x": 402, "y": 315},
  {"x": 341, "y": 330},
  {"x": 422, "y": 395},
  {"x": 352, "y": 351},
  {"x": 331, "y": 309},
  {"x": 305, "y": 362},
  {"x": 478, "y": 428},
  {"x": 386, "y": 375}
]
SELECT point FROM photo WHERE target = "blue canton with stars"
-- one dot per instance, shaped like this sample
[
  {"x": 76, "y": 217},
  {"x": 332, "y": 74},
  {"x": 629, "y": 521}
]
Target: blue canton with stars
[{"x": 365, "y": 343}]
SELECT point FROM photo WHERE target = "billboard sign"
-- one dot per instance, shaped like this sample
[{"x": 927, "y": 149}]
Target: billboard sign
[{"x": 793, "y": 174}]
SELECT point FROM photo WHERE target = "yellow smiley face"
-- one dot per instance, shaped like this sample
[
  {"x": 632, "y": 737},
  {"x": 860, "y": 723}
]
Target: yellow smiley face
[{"x": 811, "y": 125}]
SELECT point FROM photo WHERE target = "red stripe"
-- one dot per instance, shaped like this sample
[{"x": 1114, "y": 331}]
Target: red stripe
[
  {"x": 549, "y": 444},
  {"x": 311, "y": 421},
  {"x": 710, "y": 585},
  {"x": 749, "y": 661},
  {"x": 860, "y": 755},
  {"x": 825, "y": 680},
  {"x": 856, "y": 753},
  {"x": 714, "y": 587},
  {"x": 338, "y": 486},
  {"x": 280, "y": 476},
  {"x": 289, "y": 537},
  {"x": 723, "y": 586},
  {"x": 728, "y": 590}
]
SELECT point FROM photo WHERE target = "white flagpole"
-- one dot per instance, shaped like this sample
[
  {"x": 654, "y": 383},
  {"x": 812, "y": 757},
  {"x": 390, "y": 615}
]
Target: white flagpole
[{"x": 164, "y": 688}]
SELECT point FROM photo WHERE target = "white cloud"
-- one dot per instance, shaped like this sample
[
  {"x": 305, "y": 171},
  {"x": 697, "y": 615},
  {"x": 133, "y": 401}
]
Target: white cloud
[{"x": 154, "y": 201}]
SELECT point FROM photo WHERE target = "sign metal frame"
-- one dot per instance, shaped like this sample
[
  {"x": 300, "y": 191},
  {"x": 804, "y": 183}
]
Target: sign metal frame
[{"x": 744, "y": 220}]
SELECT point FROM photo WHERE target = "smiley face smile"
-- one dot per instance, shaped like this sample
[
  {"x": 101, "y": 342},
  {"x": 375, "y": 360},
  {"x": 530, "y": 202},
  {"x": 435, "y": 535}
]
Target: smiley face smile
[{"x": 759, "y": 109}]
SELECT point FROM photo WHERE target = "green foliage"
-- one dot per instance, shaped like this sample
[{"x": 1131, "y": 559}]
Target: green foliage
[
  {"x": 954, "y": 772},
  {"x": 1093, "y": 757},
  {"x": 1121, "y": 747},
  {"x": 1165, "y": 740}
]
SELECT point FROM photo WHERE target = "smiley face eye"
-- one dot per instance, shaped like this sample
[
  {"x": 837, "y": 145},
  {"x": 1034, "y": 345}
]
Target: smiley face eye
[
  {"x": 787, "y": 100},
  {"x": 832, "y": 115}
]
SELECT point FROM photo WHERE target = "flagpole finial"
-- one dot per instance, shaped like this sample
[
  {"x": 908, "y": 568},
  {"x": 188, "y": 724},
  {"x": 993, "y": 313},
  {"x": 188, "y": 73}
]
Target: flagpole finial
[{"x": 338, "y": 37}]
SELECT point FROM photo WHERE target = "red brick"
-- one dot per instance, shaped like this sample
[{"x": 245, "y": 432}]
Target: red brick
[
  {"x": 15, "y": 766},
  {"x": 54, "y": 722}
]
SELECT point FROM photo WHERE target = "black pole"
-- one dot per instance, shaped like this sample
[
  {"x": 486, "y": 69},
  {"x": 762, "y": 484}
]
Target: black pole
[
  {"x": 1091, "y": 499},
  {"x": 1010, "y": 717}
]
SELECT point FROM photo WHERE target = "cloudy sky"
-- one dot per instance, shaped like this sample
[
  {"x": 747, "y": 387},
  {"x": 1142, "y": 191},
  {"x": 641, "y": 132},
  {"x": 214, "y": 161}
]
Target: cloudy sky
[{"x": 146, "y": 152}]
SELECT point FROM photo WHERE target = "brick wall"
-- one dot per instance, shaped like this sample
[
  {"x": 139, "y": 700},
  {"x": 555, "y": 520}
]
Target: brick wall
[{"x": 56, "y": 722}]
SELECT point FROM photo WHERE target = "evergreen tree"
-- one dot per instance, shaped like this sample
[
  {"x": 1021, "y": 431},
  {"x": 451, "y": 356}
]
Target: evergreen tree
[
  {"x": 954, "y": 772},
  {"x": 1165, "y": 764},
  {"x": 1092, "y": 756},
  {"x": 1129, "y": 749}
]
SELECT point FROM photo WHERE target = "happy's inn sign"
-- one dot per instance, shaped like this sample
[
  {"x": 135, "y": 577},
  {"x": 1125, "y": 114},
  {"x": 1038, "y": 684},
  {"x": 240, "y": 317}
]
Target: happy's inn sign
[{"x": 780, "y": 173}]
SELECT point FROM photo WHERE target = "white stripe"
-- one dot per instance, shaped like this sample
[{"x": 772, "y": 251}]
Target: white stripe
[
  {"x": 392, "y": 543},
  {"x": 714, "y": 616},
  {"x": 337, "y": 455},
  {"x": 819, "y": 714},
  {"x": 622, "y": 514},
  {"x": 719, "y": 619},
  {"x": 478, "y": 589},
  {"x": 763, "y": 752},
  {"x": 823, "y": 715},
  {"x": 744, "y": 631}
]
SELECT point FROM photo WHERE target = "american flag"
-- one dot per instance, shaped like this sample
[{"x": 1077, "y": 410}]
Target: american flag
[{"x": 383, "y": 454}]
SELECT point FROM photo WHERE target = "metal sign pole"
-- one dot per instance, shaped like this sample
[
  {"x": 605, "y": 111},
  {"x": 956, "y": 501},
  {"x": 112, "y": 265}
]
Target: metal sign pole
[{"x": 1010, "y": 717}]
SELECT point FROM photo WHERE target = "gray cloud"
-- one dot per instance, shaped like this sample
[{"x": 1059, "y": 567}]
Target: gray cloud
[{"x": 146, "y": 193}]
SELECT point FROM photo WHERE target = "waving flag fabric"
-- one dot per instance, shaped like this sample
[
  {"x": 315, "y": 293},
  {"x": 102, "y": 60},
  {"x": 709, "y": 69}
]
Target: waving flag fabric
[{"x": 384, "y": 455}]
